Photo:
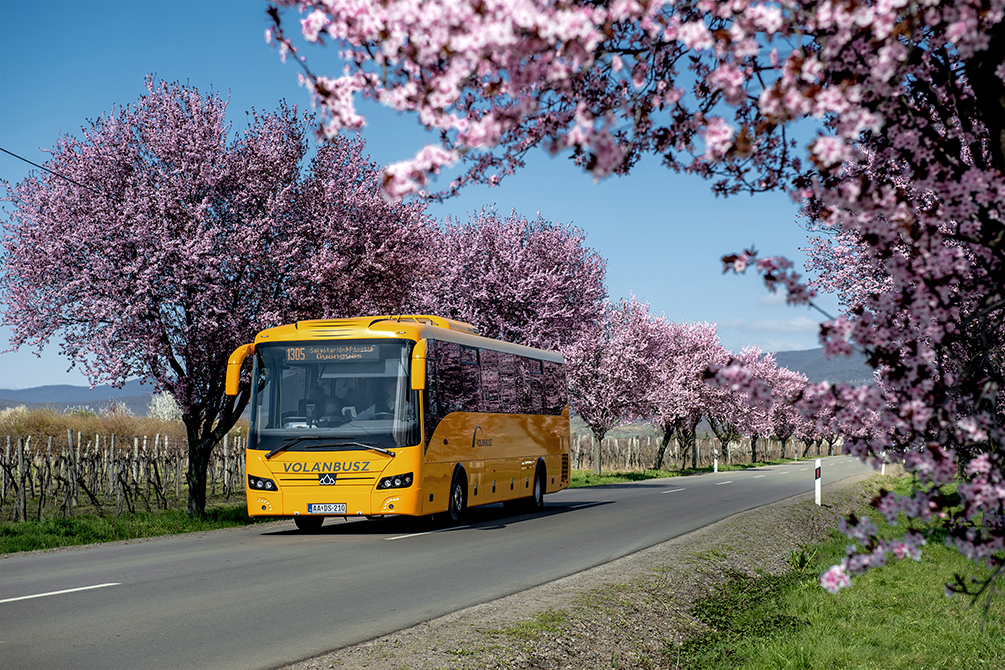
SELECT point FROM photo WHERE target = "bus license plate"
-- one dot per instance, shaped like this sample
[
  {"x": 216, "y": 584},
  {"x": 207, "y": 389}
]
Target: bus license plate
[{"x": 326, "y": 508}]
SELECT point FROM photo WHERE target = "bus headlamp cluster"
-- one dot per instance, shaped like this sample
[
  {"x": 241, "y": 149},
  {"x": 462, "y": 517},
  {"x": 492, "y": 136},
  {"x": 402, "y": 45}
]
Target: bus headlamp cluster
[
  {"x": 261, "y": 484},
  {"x": 396, "y": 482}
]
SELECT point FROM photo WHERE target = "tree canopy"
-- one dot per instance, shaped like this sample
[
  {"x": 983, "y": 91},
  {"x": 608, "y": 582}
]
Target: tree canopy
[
  {"x": 160, "y": 241},
  {"x": 907, "y": 103}
]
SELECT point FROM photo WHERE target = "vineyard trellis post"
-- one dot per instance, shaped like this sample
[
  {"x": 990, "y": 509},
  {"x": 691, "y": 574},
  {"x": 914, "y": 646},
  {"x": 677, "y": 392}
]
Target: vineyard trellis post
[
  {"x": 19, "y": 501},
  {"x": 226, "y": 466}
]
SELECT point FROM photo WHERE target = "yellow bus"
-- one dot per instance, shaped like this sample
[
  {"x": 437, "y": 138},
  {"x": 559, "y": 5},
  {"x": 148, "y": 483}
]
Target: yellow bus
[{"x": 399, "y": 415}]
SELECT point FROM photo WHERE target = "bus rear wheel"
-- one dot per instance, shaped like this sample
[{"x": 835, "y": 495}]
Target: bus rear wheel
[
  {"x": 309, "y": 524},
  {"x": 536, "y": 501}
]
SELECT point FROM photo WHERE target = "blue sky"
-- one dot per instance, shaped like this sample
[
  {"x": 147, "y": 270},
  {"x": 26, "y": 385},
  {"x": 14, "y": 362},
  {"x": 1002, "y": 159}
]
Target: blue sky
[{"x": 62, "y": 63}]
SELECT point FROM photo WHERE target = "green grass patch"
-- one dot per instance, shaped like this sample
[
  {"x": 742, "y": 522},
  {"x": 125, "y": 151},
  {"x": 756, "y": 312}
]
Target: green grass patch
[
  {"x": 53, "y": 532},
  {"x": 895, "y": 617},
  {"x": 549, "y": 621}
]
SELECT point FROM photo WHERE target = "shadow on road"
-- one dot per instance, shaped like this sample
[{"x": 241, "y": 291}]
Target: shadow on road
[{"x": 482, "y": 518}]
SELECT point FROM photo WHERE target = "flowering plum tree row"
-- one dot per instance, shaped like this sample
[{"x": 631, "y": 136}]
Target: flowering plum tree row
[{"x": 637, "y": 366}]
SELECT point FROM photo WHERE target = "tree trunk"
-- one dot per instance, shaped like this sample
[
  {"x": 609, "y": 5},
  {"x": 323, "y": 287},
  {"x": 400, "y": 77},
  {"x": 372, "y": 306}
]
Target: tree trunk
[
  {"x": 661, "y": 452},
  {"x": 597, "y": 443},
  {"x": 195, "y": 477},
  {"x": 686, "y": 437},
  {"x": 753, "y": 448},
  {"x": 204, "y": 433}
]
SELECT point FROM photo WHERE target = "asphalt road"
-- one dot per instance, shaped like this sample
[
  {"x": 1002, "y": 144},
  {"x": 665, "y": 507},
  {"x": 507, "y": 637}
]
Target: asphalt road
[{"x": 262, "y": 596}]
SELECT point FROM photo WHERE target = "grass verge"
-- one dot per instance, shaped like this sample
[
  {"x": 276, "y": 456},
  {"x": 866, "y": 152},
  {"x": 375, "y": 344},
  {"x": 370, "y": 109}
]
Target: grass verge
[
  {"x": 893, "y": 617},
  {"x": 53, "y": 532}
]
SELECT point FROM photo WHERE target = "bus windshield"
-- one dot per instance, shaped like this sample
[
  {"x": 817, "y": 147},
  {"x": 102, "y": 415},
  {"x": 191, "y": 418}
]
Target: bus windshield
[{"x": 333, "y": 395}]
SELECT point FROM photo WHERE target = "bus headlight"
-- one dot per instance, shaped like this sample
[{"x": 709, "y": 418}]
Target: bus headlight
[
  {"x": 396, "y": 482},
  {"x": 261, "y": 484}
]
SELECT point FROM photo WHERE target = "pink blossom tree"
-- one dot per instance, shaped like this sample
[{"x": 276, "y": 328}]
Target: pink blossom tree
[
  {"x": 157, "y": 244},
  {"x": 785, "y": 418},
  {"x": 530, "y": 282},
  {"x": 908, "y": 104},
  {"x": 732, "y": 413},
  {"x": 610, "y": 368},
  {"x": 679, "y": 396},
  {"x": 753, "y": 418}
]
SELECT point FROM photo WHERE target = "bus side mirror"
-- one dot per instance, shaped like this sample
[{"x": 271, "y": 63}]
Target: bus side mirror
[
  {"x": 234, "y": 364},
  {"x": 419, "y": 366}
]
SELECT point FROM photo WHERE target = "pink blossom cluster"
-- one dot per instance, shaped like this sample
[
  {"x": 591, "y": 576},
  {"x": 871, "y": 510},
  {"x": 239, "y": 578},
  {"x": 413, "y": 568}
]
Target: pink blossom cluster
[
  {"x": 517, "y": 279},
  {"x": 874, "y": 554},
  {"x": 835, "y": 578}
]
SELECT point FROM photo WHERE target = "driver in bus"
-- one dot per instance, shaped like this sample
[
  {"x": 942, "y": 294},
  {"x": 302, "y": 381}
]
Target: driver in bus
[{"x": 346, "y": 397}]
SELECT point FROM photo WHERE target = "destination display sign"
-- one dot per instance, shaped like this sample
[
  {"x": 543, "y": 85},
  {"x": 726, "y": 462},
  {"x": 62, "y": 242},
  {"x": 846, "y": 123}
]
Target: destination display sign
[{"x": 312, "y": 353}]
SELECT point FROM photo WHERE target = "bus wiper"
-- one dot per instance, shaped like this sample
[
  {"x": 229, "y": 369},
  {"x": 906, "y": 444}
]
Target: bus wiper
[
  {"x": 290, "y": 441},
  {"x": 366, "y": 446}
]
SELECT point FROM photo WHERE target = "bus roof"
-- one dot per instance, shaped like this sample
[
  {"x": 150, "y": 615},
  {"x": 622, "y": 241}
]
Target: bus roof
[{"x": 411, "y": 326}]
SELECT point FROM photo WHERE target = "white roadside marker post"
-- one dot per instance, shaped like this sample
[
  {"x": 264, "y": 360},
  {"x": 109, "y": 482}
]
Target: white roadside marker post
[
  {"x": 816, "y": 483},
  {"x": 882, "y": 470},
  {"x": 715, "y": 460}
]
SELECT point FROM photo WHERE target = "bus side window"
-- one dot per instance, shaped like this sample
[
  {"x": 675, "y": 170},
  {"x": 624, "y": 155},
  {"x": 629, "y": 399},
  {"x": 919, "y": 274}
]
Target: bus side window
[
  {"x": 434, "y": 406},
  {"x": 490, "y": 380},
  {"x": 458, "y": 378},
  {"x": 470, "y": 372},
  {"x": 448, "y": 370},
  {"x": 555, "y": 394},
  {"x": 508, "y": 396},
  {"x": 523, "y": 399},
  {"x": 535, "y": 385}
]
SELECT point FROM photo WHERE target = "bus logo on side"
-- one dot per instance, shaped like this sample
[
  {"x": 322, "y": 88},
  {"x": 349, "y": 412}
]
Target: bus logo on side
[{"x": 326, "y": 479}]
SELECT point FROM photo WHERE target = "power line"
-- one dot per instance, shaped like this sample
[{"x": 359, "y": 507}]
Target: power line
[{"x": 61, "y": 176}]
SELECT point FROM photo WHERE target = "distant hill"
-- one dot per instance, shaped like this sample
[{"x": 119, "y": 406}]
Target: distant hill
[
  {"x": 134, "y": 395},
  {"x": 818, "y": 368},
  {"x": 64, "y": 393}
]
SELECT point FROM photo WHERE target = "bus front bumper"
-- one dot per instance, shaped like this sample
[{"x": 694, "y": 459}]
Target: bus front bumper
[{"x": 332, "y": 501}]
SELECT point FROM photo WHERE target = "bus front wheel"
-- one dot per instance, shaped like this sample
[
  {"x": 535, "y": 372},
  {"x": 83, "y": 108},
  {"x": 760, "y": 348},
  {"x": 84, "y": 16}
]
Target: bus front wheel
[
  {"x": 309, "y": 524},
  {"x": 458, "y": 498}
]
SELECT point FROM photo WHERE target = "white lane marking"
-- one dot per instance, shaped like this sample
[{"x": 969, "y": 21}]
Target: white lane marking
[
  {"x": 58, "y": 593},
  {"x": 721, "y": 483},
  {"x": 803, "y": 469},
  {"x": 427, "y": 532},
  {"x": 759, "y": 476},
  {"x": 672, "y": 491}
]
